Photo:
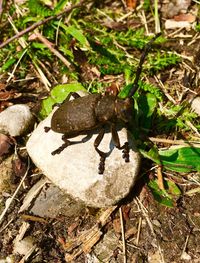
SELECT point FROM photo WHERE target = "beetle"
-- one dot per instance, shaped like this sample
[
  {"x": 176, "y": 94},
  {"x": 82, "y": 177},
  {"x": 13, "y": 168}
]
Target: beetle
[{"x": 83, "y": 114}]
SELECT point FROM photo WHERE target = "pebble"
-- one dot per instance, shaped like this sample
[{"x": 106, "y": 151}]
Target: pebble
[
  {"x": 195, "y": 105},
  {"x": 16, "y": 120}
]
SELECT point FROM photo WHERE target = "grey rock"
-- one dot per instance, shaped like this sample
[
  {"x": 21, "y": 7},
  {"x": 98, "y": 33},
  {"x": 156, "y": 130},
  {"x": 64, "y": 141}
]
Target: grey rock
[
  {"x": 16, "y": 120},
  {"x": 75, "y": 169},
  {"x": 105, "y": 247},
  {"x": 52, "y": 202}
]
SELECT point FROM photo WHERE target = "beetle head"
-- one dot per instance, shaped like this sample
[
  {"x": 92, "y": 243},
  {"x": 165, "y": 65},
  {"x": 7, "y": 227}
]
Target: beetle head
[{"x": 124, "y": 109}]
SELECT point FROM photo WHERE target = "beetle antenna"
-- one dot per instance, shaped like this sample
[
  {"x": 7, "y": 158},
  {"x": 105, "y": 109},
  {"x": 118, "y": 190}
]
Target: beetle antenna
[{"x": 139, "y": 69}]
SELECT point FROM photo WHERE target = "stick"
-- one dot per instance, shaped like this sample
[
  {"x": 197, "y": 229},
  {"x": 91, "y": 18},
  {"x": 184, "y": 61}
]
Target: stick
[
  {"x": 1, "y": 8},
  {"x": 39, "y": 23},
  {"x": 49, "y": 45},
  {"x": 123, "y": 234}
]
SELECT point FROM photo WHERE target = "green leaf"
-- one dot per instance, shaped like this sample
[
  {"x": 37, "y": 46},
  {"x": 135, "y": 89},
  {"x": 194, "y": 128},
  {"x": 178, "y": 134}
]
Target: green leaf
[
  {"x": 172, "y": 188},
  {"x": 127, "y": 74},
  {"x": 76, "y": 33},
  {"x": 161, "y": 196},
  {"x": 8, "y": 64},
  {"x": 38, "y": 8},
  {"x": 152, "y": 154},
  {"x": 125, "y": 91},
  {"x": 58, "y": 94},
  {"x": 46, "y": 107},
  {"x": 148, "y": 105},
  {"x": 39, "y": 45},
  {"x": 29, "y": 19},
  {"x": 182, "y": 159},
  {"x": 66, "y": 51},
  {"x": 60, "y": 5}
]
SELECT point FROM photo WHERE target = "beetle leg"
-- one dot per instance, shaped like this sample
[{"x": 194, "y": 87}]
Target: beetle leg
[
  {"x": 101, "y": 154},
  {"x": 124, "y": 148},
  {"x": 61, "y": 148},
  {"x": 64, "y": 145},
  {"x": 47, "y": 129}
]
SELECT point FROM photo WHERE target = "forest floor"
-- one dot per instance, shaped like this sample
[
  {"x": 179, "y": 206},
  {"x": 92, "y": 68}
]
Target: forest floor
[{"x": 142, "y": 228}]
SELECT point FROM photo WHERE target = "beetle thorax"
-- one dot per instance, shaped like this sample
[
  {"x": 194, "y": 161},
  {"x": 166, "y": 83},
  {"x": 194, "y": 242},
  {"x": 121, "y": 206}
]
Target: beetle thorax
[{"x": 105, "y": 109}]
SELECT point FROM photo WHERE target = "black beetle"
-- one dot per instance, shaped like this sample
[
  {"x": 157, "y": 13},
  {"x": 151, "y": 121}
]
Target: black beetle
[{"x": 86, "y": 113}]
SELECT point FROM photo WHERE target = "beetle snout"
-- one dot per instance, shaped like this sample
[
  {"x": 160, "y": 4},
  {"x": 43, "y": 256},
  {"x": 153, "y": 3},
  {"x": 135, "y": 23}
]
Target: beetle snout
[{"x": 125, "y": 110}]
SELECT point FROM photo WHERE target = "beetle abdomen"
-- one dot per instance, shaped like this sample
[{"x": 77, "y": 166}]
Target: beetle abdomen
[{"x": 76, "y": 115}]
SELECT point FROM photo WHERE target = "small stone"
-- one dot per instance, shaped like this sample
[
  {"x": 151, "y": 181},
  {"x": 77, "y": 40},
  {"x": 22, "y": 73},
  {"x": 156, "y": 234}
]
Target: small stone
[
  {"x": 195, "y": 105},
  {"x": 75, "y": 169},
  {"x": 23, "y": 246},
  {"x": 16, "y": 120},
  {"x": 185, "y": 256},
  {"x": 172, "y": 8},
  {"x": 171, "y": 24}
]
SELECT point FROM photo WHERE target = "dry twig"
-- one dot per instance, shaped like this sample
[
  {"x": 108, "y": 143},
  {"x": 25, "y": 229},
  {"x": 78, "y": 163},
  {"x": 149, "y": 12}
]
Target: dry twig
[
  {"x": 14, "y": 195},
  {"x": 175, "y": 142},
  {"x": 1, "y": 8},
  {"x": 49, "y": 45},
  {"x": 87, "y": 239},
  {"x": 123, "y": 234},
  {"x": 160, "y": 177},
  {"x": 42, "y": 22}
]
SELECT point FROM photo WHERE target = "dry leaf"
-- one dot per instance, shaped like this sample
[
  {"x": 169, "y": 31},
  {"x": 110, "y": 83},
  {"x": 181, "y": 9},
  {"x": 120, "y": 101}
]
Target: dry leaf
[
  {"x": 131, "y": 4},
  {"x": 113, "y": 89},
  {"x": 7, "y": 93},
  {"x": 117, "y": 225},
  {"x": 126, "y": 211},
  {"x": 6, "y": 143},
  {"x": 185, "y": 17},
  {"x": 71, "y": 228},
  {"x": 19, "y": 167}
]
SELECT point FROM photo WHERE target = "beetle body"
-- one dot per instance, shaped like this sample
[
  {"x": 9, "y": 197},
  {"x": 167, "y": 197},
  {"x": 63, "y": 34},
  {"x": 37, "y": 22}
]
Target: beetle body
[{"x": 86, "y": 113}]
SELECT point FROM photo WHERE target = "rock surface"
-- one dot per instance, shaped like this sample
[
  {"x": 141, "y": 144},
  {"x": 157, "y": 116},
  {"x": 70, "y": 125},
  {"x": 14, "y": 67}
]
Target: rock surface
[
  {"x": 52, "y": 202},
  {"x": 16, "y": 120},
  {"x": 75, "y": 169}
]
